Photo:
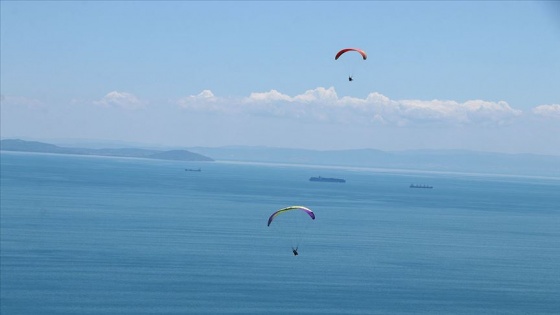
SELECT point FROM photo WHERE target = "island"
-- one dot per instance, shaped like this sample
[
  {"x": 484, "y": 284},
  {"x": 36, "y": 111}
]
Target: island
[{"x": 17, "y": 145}]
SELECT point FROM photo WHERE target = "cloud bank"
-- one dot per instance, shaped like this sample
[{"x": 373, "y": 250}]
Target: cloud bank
[{"x": 323, "y": 104}]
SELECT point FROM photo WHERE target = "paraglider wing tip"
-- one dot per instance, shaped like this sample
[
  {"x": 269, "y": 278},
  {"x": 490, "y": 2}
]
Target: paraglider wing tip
[
  {"x": 308, "y": 211},
  {"x": 360, "y": 51}
]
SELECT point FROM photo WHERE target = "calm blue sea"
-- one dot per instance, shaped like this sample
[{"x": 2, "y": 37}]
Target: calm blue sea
[{"x": 91, "y": 235}]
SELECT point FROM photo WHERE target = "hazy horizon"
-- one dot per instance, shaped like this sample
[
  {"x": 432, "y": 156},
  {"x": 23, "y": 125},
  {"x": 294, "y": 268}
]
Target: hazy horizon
[{"x": 107, "y": 144}]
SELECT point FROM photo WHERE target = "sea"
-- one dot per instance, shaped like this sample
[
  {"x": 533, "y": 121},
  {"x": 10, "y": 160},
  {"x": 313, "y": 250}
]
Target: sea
[{"x": 100, "y": 235}]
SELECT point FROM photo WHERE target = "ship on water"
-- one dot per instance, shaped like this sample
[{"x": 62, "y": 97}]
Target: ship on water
[
  {"x": 421, "y": 186},
  {"x": 327, "y": 179}
]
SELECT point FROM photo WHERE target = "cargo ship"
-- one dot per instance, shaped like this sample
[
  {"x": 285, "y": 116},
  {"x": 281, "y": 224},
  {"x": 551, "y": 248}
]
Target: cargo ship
[
  {"x": 327, "y": 179},
  {"x": 421, "y": 186}
]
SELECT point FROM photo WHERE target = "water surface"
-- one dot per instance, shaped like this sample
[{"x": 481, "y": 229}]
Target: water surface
[{"x": 87, "y": 235}]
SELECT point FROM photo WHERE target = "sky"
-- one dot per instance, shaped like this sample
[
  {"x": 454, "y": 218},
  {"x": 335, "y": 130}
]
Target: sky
[{"x": 477, "y": 75}]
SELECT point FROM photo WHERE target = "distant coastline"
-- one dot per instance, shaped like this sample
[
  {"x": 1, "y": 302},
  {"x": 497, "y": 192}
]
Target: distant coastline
[
  {"x": 17, "y": 145},
  {"x": 455, "y": 161}
]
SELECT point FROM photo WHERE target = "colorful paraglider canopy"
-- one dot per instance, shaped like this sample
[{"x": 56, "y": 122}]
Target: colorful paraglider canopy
[
  {"x": 291, "y": 208},
  {"x": 345, "y": 50}
]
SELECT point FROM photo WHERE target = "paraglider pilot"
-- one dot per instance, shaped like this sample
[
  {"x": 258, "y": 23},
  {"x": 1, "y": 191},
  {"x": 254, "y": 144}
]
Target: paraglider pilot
[{"x": 294, "y": 250}]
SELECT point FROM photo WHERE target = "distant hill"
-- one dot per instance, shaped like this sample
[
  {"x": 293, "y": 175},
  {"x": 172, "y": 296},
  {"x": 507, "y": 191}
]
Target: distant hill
[
  {"x": 180, "y": 155},
  {"x": 423, "y": 160},
  {"x": 40, "y": 147},
  {"x": 30, "y": 146}
]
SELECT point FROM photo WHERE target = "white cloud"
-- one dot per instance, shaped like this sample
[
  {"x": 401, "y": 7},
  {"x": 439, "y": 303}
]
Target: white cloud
[
  {"x": 318, "y": 94},
  {"x": 204, "y": 101},
  {"x": 323, "y": 104},
  {"x": 271, "y": 96},
  {"x": 472, "y": 111},
  {"x": 549, "y": 111},
  {"x": 121, "y": 100}
]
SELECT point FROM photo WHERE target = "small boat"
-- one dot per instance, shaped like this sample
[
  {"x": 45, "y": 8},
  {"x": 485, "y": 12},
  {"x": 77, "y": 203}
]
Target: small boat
[
  {"x": 421, "y": 186},
  {"x": 327, "y": 179},
  {"x": 193, "y": 170}
]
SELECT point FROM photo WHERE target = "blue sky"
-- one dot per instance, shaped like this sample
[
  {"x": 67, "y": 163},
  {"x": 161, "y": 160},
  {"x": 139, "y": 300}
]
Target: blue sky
[{"x": 439, "y": 75}]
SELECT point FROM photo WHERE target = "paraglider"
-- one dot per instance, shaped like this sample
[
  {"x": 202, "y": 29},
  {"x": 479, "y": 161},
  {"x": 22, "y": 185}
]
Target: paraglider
[
  {"x": 346, "y": 50},
  {"x": 292, "y": 222}
]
